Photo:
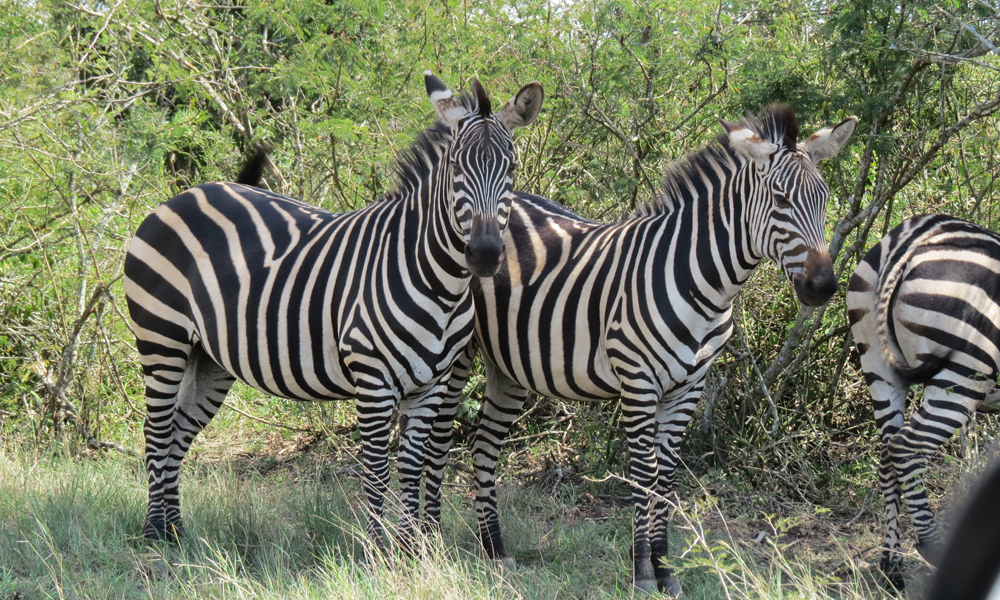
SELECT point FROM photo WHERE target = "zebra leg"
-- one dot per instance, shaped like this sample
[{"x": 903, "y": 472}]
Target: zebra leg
[
  {"x": 888, "y": 392},
  {"x": 442, "y": 437},
  {"x": 417, "y": 417},
  {"x": 889, "y": 400},
  {"x": 944, "y": 411},
  {"x": 170, "y": 428},
  {"x": 502, "y": 403},
  {"x": 672, "y": 416},
  {"x": 375, "y": 408},
  {"x": 202, "y": 393},
  {"x": 639, "y": 418},
  {"x": 164, "y": 368}
]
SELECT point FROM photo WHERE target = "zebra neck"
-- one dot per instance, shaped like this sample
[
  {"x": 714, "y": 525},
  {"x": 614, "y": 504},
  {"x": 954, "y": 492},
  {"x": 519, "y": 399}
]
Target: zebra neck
[
  {"x": 715, "y": 241},
  {"x": 430, "y": 225}
]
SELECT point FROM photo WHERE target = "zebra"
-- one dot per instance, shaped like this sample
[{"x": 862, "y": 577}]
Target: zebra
[
  {"x": 924, "y": 308},
  {"x": 970, "y": 564},
  {"x": 638, "y": 310},
  {"x": 227, "y": 281}
]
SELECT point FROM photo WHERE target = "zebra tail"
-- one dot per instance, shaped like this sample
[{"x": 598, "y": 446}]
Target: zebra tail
[
  {"x": 253, "y": 170},
  {"x": 930, "y": 364}
]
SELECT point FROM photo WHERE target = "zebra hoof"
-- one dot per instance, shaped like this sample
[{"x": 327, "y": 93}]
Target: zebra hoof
[
  {"x": 670, "y": 587},
  {"x": 154, "y": 530},
  {"x": 645, "y": 585},
  {"x": 893, "y": 573},
  {"x": 930, "y": 551},
  {"x": 175, "y": 531}
]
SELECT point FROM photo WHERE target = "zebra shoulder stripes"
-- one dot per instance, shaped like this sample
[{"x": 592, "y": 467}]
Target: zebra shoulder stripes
[
  {"x": 226, "y": 281},
  {"x": 638, "y": 310},
  {"x": 924, "y": 307}
]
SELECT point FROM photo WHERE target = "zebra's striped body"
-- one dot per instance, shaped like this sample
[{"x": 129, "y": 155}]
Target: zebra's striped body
[
  {"x": 639, "y": 309},
  {"x": 924, "y": 307},
  {"x": 228, "y": 281}
]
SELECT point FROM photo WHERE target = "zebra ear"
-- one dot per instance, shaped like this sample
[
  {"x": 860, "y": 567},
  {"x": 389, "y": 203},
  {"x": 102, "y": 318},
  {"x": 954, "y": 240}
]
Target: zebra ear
[
  {"x": 522, "y": 108},
  {"x": 746, "y": 142},
  {"x": 827, "y": 142},
  {"x": 448, "y": 108}
]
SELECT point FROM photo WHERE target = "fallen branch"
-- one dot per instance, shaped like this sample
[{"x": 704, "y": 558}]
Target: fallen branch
[{"x": 272, "y": 424}]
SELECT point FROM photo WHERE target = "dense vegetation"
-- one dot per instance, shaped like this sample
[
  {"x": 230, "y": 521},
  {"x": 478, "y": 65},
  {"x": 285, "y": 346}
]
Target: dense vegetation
[{"x": 108, "y": 109}]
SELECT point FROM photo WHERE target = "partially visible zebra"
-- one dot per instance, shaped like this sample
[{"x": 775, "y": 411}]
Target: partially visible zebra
[
  {"x": 924, "y": 307},
  {"x": 638, "y": 310},
  {"x": 227, "y": 282},
  {"x": 970, "y": 564}
]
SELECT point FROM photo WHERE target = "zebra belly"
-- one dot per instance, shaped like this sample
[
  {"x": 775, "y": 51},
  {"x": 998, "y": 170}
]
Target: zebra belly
[{"x": 591, "y": 379}]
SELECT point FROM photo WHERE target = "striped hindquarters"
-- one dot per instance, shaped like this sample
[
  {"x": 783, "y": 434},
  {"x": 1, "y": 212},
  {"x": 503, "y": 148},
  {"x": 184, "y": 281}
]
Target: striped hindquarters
[{"x": 929, "y": 293}]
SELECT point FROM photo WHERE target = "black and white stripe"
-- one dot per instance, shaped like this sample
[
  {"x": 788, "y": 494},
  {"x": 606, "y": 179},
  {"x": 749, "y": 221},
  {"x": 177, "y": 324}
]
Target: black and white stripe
[
  {"x": 638, "y": 310},
  {"x": 924, "y": 307},
  {"x": 227, "y": 281}
]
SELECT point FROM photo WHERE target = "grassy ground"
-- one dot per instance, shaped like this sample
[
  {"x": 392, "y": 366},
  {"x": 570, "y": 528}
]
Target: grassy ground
[
  {"x": 276, "y": 512},
  {"x": 289, "y": 526}
]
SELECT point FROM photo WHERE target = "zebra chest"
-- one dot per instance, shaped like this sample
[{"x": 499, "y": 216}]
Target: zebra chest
[{"x": 409, "y": 351}]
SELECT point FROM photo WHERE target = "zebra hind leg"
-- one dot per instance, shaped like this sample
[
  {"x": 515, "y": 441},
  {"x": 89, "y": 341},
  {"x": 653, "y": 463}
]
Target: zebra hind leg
[
  {"x": 441, "y": 439},
  {"x": 889, "y": 399},
  {"x": 943, "y": 412},
  {"x": 171, "y": 428},
  {"x": 164, "y": 373}
]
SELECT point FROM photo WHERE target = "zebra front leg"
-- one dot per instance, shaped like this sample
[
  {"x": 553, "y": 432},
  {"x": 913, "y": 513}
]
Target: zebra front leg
[
  {"x": 672, "y": 416},
  {"x": 502, "y": 403},
  {"x": 441, "y": 439},
  {"x": 943, "y": 412},
  {"x": 417, "y": 417},
  {"x": 375, "y": 424},
  {"x": 639, "y": 419}
]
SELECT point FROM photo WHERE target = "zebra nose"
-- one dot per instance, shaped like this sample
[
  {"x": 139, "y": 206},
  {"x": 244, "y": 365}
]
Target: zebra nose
[
  {"x": 816, "y": 288},
  {"x": 484, "y": 248}
]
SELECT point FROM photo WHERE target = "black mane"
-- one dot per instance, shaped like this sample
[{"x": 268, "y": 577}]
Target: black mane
[
  {"x": 776, "y": 124},
  {"x": 411, "y": 164}
]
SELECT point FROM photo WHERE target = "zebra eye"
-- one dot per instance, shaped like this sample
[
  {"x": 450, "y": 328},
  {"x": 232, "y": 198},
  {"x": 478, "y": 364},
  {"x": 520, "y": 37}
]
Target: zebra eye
[{"x": 781, "y": 199}]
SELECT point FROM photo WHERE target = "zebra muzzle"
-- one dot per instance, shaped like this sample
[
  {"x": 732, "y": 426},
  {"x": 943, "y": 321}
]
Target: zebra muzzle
[
  {"x": 484, "y": 249},
  {"x": 817, "y": 285}
]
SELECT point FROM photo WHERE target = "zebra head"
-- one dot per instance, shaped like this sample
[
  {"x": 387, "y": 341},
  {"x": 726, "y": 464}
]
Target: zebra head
[
  {"x": 786, "y": 196},
  {"x": 482, "y": 160}
]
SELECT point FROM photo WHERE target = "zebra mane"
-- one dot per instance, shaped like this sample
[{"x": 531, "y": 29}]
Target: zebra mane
[
  {"x": 776, "y": 124},
  {"x": 411, "y": 163},
  {"x": 477, "y": 101}
]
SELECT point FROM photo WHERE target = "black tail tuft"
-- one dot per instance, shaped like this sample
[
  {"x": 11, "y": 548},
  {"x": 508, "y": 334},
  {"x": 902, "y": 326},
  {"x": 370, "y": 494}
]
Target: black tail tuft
[
  {"x": 930, "y": 365},
  {"x": 253, "y": 170}
]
